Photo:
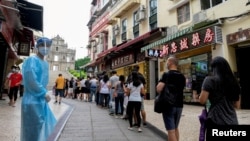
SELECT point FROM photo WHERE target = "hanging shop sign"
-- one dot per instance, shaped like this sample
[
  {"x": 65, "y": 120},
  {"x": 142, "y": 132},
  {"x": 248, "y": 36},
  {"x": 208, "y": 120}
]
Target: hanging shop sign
[
  {"x": 197, "y": 39},
  {"x": 24, "y": 49},
  {"x": 238, "y": 37},
  {"x": 122, "y": 60}
]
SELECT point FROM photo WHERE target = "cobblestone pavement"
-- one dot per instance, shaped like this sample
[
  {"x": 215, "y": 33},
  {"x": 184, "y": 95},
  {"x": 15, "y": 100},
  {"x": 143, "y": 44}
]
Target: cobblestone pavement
[{"x": 80, "y": 121}]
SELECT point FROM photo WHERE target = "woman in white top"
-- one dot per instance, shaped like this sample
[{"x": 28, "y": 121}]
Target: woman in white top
[
  {"x": 104, "y": 91},
  {"x": 134, "y": 89}
]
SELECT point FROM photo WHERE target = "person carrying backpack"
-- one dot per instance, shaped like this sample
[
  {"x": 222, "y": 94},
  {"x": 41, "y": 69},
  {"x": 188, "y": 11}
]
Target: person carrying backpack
[{"x": 172, "y": 114}]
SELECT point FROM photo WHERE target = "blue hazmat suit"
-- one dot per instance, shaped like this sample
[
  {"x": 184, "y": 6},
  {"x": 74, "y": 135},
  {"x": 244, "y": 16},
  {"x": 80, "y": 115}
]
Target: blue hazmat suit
[{"x": 37, "y": 119}]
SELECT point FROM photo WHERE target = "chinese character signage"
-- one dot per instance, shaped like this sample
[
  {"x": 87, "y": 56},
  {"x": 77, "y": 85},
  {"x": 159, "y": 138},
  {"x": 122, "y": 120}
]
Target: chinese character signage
[
  {"x": 122, "y": 60},
  {"x": 193, "y": 40},
  {"x": 237, "y": 37},
  {"x": 154, "y": 53}
]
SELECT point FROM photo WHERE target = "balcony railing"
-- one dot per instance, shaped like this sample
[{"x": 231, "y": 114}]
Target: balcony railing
[
  {"x": 113, "y": 41},
  {"x": 136, "y": 28},
  {"x": 124, "y": 36},
  {"x": 122, "y": 6}
]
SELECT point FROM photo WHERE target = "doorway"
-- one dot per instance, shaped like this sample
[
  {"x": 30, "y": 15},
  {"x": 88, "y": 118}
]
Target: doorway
[{"x": 244, "y": 75}]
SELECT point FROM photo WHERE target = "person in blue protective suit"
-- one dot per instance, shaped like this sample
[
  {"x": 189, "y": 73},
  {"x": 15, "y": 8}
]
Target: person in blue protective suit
[{"x": 37, "y": 119}]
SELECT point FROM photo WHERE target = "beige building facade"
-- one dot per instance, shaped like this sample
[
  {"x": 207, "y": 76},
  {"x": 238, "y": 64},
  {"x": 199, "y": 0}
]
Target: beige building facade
[
  {"x": 145, "y": 32},
  {"x": 61, "y": 58}
]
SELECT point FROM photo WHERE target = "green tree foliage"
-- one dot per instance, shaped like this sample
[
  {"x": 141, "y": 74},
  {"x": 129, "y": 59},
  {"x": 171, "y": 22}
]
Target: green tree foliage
[
  {"x": 81, "y": 62},
  {"x": 78, "y": 73}
]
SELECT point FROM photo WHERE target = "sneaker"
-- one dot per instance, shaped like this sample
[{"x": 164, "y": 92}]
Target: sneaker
[
  {"x": 130, "y": 128},
  {"x": 139, "y": 130},
  {"x": 125, "y": 117}
]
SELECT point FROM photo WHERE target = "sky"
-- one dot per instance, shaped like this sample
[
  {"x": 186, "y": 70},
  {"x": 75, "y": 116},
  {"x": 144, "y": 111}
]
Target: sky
[{"x": 68, "y": 19}]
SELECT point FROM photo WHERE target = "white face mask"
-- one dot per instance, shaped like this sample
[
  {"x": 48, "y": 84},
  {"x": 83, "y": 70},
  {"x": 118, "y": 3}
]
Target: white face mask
[{"x": 44, "y": 50}]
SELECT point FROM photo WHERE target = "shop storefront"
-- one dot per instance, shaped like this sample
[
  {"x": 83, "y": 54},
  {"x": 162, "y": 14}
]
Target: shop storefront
[
  {"x": 194, "y": 51},
  {"x": 195, "y": 69},
  {"x": 123, "y": 64},
  {"x": 240, "y": 40}
]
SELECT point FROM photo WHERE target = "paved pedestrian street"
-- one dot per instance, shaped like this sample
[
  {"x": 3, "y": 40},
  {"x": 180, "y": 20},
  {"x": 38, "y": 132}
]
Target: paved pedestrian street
[
  {"x": 77, "y": 121},
  {"x": 84, "y": 121}
]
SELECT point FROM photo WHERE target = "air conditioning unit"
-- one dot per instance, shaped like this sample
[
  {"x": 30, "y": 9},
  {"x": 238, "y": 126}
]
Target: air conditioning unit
[
  {"x": 100, "y": 48},
  {"x": 172, "y": 29},
  {"x": 199, "y": 17},
  {"x": 141, "y": 13},
  {"x": 116, "y": 30},
  {"x": 116, "y": 27},
  {"x": 93, "y": 43}
]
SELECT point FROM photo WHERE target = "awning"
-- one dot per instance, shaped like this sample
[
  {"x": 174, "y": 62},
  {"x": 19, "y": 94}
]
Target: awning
[
  {"x": 31, "y": 14},
  {"x": 167, "y": 38},
  {"x": 138, "y": 39}
]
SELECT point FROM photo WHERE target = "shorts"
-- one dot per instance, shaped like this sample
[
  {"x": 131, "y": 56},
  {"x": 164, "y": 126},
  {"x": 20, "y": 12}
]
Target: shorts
[
  {"x": 60, "y": 92},
  {"x": 171, "y": 117},
  {"x": 87, "y": 91},
  {"x": 83, "y": 90},
  {"x": 78, "y": 90},
  {"x": 70, "y": 90}
]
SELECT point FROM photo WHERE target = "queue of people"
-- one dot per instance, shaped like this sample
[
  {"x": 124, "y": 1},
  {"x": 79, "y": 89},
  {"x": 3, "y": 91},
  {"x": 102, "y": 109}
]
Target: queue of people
[
  {"x": 108, "y": 93},
  {"x": 220, "y": 88},
  {"x": 115, "y": 89}
]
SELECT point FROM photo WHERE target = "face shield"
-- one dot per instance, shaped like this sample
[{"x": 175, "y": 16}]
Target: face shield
[{"x": 43, "y": 45}]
